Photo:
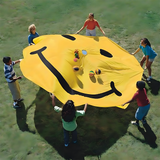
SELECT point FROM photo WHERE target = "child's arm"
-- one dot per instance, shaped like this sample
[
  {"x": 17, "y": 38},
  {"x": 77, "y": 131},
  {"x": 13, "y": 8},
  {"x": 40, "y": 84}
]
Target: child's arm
[
  {"x": 17, "y": 61},
  {"x": 85, "y": 107},
  {"x": 80, "y": 30},
  {"x": 136, "y": 51},
  {"x": 56, "y": 108},
  {"x": 53, "y": 101},
  {"x": 131, "y": 100},
  {"x": 102, "y": 31},
  {"x": 20, "y": 77}
]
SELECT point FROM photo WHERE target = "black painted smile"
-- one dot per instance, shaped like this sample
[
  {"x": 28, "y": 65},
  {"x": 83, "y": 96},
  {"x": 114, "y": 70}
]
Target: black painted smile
[{"x": 64, "y": 83}]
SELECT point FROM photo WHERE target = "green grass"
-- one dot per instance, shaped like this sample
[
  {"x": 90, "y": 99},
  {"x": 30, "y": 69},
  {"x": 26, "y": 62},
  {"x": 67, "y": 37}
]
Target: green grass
[{"x": 104, "y": 133}]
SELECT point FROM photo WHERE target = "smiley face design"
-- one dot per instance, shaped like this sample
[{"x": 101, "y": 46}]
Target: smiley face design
[{"x": 50, "y": 62}]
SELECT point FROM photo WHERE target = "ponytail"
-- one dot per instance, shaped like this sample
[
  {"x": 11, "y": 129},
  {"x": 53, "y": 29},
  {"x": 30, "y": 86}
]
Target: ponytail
[{"x": 146, "y": 41}]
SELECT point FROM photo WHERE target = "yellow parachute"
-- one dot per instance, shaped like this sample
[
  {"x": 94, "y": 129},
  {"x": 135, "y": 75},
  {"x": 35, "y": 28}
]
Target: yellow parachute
[{"x": 92, "y": 70}]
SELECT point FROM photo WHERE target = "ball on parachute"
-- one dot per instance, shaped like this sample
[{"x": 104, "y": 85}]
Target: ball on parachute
[
  {"x": 91, "y": 73},
  {"x": 75, "y": 59},
  {"x": 98, "y": 71}
]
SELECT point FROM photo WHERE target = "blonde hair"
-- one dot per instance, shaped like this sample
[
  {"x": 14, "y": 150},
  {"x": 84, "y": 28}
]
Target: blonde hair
[{"x": 31, "y": 27}]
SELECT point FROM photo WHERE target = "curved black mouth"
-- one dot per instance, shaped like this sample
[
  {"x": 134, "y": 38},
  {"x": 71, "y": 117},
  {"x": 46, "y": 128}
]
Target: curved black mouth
[{"x": 64, "y": 83}]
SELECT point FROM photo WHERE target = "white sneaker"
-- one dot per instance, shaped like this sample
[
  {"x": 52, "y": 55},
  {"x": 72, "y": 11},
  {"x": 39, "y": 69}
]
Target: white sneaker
[
  {"x": 15, "y": 105},
  {"x": 149, "y": 78},
  {"x": 135, "y": 123}
]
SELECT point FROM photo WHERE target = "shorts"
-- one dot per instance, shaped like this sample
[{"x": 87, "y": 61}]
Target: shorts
[
  {"x": 151, "y": 60},
  {"x": 15, "y": 89},
  {"x": 142, "y": 112},
  {"x": 90, "y": 32}
]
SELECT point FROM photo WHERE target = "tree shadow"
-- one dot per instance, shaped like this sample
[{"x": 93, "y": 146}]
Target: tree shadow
[
  {"x": 149, "y": 136},
  {"x": 97, "y": 131},
  {"x": 21, "y": 117},
  {"x": 153, "y": 84}
]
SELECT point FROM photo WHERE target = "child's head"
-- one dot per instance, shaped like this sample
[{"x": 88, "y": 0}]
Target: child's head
[
  {"x": 140, "y": 85},
  {"x": 145, "y": 42},
  {"x": 32, "y": 28},
  {"x": 91, "y": 16},
  {"x": 7, "y": 60},
  {"x": 68, "y": 111}
]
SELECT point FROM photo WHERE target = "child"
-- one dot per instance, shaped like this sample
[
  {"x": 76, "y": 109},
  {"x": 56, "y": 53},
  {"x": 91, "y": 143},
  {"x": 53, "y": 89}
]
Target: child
[
  {"x": 33, "y": 34},
  {"x": 69, "y": 116},
  {"x": 143, "y": 103},
  {"x": 91, "y": 24},
  {"x": 12, "y": 80},
  {"x": 149, "y": 55}
]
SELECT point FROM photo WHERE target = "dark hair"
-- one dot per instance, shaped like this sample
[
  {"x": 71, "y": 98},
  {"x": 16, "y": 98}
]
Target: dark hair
[
  {"x": 6, "y": 59},
  {"x": 68, "y": 111},
  {"x": 146, "y": 41},
  {"x": 140, "y": 85}
]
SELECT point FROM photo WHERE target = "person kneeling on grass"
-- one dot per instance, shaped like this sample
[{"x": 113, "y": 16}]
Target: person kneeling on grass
[
  {"x": 12, "y": 80},
  {"x": 143, "y": 103},
  {"x": 69, "y": 116}
]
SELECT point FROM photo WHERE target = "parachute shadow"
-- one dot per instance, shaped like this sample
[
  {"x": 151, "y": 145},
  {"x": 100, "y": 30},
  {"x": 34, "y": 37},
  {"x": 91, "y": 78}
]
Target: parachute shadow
[{"x": 97, "y": 131}]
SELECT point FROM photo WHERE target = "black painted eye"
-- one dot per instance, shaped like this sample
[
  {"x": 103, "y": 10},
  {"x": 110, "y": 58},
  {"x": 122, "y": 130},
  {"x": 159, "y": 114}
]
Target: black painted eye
[
  {"x": 69, "y": 37},
  {"x": 105, "y": 53}
]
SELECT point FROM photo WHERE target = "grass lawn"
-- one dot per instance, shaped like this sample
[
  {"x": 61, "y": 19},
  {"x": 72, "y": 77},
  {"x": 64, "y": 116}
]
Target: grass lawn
[{"x": 34, "y": 132}]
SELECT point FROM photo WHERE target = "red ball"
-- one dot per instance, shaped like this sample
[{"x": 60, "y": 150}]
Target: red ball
[{"x": 75, "y": 59}]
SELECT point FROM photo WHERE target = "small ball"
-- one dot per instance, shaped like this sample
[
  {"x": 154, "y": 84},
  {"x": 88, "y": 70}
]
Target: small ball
[
  {"x": 91, "y": 73},
  {"x": 75, "y": 59},
  {"x": 98, "y": 71}
]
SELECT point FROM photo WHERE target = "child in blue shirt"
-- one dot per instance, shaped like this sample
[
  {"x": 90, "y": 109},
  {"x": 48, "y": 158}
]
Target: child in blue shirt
[
  {"x": 149, "y": 55},
  {"x": 33, "y": 34}
]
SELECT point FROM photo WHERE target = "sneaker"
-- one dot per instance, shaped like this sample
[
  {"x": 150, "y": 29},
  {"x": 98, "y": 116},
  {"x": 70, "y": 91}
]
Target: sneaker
[
  {"x": 15, "y": 105},
  {"x": 149, "y": 78},
  {"x": 20, "y": 99},
  {"x": 135, "y": 123},
  {"x": 66, "y": 145}
]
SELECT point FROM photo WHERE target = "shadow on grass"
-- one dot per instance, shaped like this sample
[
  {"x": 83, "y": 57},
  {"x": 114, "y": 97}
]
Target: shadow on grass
[
  {"x": 21, "y": 117},
  {"x": 153, "y": 84},
  {"x": 149, "y": 136},
  {"x": 97, "y": 131}
]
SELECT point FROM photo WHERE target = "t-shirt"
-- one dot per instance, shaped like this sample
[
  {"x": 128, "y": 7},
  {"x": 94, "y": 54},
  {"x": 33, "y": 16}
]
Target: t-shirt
[
  {"x": 148, "y": 51},
  {"x": 70, "y": 126},
  {"x": 32, "y": 36},
  {"x": 141, "y": 97},
  {"x": 9, "y": 72},
  {"x": 91, "y": 24}
]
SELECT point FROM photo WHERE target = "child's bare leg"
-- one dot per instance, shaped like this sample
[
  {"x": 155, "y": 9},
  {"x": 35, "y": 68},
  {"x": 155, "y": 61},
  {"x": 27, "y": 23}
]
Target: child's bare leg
[
  {"x": 142, "y": 61},
  {"x": 149, "y": 68}
]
